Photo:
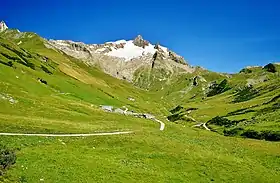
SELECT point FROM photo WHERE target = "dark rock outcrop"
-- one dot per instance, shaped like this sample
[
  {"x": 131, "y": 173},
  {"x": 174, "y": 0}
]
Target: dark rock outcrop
[
  {"x": 3, "y": 26},
  {"x": 173, "y": 56},
  {"x": 270, "y": 68},
  {"x": 195, "y": 81},
  {"x": 139, "y": 41}
]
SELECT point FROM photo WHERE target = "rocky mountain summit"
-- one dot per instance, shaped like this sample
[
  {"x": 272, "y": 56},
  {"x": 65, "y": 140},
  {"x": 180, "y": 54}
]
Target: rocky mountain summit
[
  {"x": 3, "y": 26},
  {"x": 123, "y": 58}
]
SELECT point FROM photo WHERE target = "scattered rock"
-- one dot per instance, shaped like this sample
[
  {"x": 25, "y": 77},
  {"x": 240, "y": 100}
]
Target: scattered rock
[
  {"x": 131, "y": 99},
  {"x": 107, "y": 108},
  {"x": 8, "y": 98},
  {"x": 251, "y": 82},
  {"x": 42, "y": 81},
  {"x": 148, "y": 116},
  {"x": 118, "y": 110}
]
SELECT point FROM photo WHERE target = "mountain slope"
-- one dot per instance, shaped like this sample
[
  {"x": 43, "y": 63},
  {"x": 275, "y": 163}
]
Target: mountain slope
[
  {"x": 245, "y": 101},
  {"x": 45, "y": 90},
  {"x": 122, "y": 59}
]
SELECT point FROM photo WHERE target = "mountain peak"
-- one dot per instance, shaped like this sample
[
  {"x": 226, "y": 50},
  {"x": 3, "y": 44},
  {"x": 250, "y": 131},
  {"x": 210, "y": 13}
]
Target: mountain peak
[
  {"x": 139, "y": 37},
  {"x": 139, "y": 41},
  {"x": 3, "y": 26}
]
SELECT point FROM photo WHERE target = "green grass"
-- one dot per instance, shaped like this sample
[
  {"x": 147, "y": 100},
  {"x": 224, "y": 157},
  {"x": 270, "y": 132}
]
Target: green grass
[
  {"x": 69, "y": 103},
  {"x": 175, "y": 155}
]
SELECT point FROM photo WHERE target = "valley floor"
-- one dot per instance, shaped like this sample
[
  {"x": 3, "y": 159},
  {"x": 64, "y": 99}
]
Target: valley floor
[{"x": 177, "y": 154}]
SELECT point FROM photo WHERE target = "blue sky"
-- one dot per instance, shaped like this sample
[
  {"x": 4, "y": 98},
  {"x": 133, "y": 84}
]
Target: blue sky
[{"x": 220, "y": 35}]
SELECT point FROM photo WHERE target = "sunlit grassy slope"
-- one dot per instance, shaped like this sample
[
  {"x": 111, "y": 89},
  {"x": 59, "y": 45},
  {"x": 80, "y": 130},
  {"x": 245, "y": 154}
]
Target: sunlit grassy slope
[{"x": 69, "y": 103}]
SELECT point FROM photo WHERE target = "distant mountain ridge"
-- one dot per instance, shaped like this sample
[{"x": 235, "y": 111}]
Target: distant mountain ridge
[{"x": 122, "y": 58}]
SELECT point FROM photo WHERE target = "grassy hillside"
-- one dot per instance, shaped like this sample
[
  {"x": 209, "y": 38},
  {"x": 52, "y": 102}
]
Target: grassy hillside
[
  {"x": 45, "y": 91},
  {"x": 247, "y": 101}
]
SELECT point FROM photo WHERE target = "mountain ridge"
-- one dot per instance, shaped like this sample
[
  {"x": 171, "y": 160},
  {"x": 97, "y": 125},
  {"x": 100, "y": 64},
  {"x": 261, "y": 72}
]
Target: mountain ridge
[{"x": 123, "y": 58}]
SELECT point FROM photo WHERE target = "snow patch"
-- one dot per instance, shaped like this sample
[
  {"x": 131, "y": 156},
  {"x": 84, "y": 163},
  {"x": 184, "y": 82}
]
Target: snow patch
[
  {"x": 117, "y": 42},
  {"x": 131, "y": 51},
  {"x": 164, "y": 49},
  {"x": 100, "y": 50}
]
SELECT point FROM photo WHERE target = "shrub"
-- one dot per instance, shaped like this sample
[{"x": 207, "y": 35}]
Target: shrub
[
  {"x": 45, "y": 69},
  {"x": 216, "y": 89},
  {"x": 270, "y": 68},
  {"x": 246, "y": 71},
  {"x": 31, "y": 65},
  {"x": 271, "y": 135},
  {"x": 233, "y": 132},
  {"x": 252, "y": 134},
  {"x": 7, "y": 158},
  {"x": 221, "y": 121},
  {"x": 245, "y": 94},
  {"x": 176, "y": 109},
  {"x": 267, "y": 135},
  {"x": 175, "y": 117},
  {"x": 9, "y": 63}
]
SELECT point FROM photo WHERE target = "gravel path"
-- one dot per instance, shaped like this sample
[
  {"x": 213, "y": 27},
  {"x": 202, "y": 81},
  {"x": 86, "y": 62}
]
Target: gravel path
[
  {"x": 162, "y": 125},
  {"x": 204, "y": 125},
  {"x": 66, "y": 135}
]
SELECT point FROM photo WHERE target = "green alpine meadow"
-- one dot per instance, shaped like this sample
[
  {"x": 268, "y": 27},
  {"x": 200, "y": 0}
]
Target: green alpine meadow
[{"x": 131, "y": 111}]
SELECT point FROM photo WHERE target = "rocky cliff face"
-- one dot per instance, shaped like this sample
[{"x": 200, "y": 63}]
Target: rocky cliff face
[
  {"x": 139, "y": 41},
  {"x": 3, "y": 26},
  {"x": 122, "y": 58}
]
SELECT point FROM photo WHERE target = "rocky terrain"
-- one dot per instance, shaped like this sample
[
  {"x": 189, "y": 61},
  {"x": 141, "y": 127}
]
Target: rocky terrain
[
  {"x": 122, "y": 58},
  {"x": 3, "y": 26}
]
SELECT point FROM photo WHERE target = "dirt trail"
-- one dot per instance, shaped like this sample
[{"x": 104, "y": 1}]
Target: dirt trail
[
  {"x": 162, "y": 125},
  {"x": 66, "y": 135},
  {"x": 204, "y": 125}
]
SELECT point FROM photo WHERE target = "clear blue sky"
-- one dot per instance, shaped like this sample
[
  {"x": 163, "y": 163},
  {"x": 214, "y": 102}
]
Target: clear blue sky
[{"x": 220, "y": 35}]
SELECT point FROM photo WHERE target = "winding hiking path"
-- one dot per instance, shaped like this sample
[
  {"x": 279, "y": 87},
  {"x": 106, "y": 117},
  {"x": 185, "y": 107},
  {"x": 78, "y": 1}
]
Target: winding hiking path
[
  {"x": 204, "y": 125},
  {"x": 162, "y": 125},
  {"x": 65, "y": 135}
]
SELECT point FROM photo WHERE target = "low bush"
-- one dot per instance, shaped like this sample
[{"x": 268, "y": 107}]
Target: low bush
[
  {"x": 270, "y": 68},
  {"x": 266, "y": 135},
  {"x": 233, "y": 132},
  {"x": 245, "y": 94},
  {"x": 222, "y": 121},
  {"x": 7, "y": 158},
  {"x": 246, "y": 71},
  {"x": 175, "y": 117},
  {"x": 176, "y": 109},
  {"x": 45, "y": 69},
  {"x": 9, "y": 63},
  {"x": 216, "y": 89}
]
